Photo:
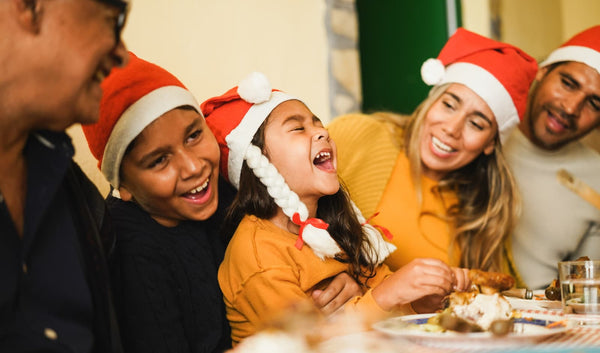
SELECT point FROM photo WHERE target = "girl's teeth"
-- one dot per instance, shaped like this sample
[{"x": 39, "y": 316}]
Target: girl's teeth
[
  {"x": 321, "y": 156},
  {"x": 440, "y": 145},
  {"x": 199, "y": 188}
]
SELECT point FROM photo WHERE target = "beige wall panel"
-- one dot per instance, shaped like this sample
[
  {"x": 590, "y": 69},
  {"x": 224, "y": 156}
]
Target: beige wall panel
[{"x": 211, "y": 44}]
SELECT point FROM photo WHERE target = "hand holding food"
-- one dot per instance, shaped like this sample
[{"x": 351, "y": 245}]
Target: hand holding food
[{"x": 482, "y": 309}]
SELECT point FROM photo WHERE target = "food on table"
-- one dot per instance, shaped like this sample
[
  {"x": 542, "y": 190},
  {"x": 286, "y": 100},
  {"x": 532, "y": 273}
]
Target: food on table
[
  {"x": 481, "y": 309},
  {"x": 491, "y": 282},
  {"x": 553, "y": 290}
]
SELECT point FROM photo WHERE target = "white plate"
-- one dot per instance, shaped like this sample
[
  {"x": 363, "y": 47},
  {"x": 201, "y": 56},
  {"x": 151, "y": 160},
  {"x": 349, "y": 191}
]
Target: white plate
[
  {"x": 538, "y": 302},
  {"x": 530, "y": 328}
]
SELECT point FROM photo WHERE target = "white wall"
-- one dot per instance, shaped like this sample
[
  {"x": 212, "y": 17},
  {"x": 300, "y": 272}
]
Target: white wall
[{"x": 211, "y": 44}]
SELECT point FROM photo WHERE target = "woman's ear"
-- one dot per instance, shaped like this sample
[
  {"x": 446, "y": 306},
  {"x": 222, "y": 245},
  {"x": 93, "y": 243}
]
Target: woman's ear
[
  {"x": 124, "y": 193},
  {"x": 490, "y": 147},
  {"x": 29, "y": 13}
]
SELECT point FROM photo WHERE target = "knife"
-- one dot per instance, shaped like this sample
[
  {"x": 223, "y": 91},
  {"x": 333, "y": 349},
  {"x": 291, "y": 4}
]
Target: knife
[{"x": 523, "y": 293}]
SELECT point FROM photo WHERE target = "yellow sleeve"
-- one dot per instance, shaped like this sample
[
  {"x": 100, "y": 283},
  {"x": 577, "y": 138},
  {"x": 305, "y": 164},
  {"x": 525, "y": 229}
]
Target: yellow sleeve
[
  {"x": 367, "y": 308},
  {"x": 367, "y": 151},
  {"x": 262, "y": 297}
]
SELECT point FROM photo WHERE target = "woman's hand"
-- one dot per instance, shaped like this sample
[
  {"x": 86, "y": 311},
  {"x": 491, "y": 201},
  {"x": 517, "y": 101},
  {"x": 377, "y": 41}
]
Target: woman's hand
[
  {"x": 431, "y": 303},
  {"x": 341, "y": 289},
  {"x": 418, "y": 279},
  {"x": 463, "y": 282}
]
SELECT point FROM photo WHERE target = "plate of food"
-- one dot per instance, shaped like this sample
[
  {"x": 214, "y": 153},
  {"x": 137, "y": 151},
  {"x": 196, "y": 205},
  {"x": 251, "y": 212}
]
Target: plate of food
[
  {"x": 481, "y": 317},
  {"x": 527, "y": 329}
]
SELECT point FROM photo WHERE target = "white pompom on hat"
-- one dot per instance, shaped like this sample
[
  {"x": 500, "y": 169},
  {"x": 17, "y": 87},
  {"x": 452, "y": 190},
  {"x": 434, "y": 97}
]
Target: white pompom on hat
[
  {"x": 584, "y": 47},
  {"x": 234, "y": 119},
  {"x": 498, "y": 72}
]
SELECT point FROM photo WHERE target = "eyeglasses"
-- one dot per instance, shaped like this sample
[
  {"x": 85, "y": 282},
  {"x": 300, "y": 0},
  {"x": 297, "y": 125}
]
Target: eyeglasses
[{"x": 123, "y": 7}]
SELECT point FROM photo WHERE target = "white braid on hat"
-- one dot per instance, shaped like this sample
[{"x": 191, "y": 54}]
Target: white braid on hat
[
  {"x": 276, "y": 186},
  {"x": 256, "y": 89},
  {"x": 379, "y": 249},
  {"x": 319, "y": 240}
]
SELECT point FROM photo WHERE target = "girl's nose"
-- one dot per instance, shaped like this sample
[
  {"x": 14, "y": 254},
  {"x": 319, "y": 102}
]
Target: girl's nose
[{"x": 321, "y": 133}]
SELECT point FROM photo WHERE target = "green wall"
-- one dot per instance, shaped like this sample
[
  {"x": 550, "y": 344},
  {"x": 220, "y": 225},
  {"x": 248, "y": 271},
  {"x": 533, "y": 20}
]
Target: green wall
[{"x": 395, "y": 37}]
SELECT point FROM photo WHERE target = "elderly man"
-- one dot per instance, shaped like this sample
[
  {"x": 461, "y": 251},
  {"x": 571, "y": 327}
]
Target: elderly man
[
  {"x": 54, "y": 295},
  {"x": 563, "y": 107}
]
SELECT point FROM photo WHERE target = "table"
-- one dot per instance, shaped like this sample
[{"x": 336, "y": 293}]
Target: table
[{"x": 576, "y": 339}]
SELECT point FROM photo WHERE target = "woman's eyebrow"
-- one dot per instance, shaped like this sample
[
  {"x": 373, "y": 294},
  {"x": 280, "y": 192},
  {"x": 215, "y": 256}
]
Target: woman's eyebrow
[
  {"x": 484, "y": 117},
  {"x": 457, "y": 98}
]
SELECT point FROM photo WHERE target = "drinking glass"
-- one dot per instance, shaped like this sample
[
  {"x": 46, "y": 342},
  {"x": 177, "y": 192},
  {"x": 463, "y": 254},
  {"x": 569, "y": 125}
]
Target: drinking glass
[{"x": 580, "y": 286}]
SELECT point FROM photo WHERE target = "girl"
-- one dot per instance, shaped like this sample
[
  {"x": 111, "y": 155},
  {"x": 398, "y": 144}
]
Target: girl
[
  {"x": 438, "y": 178},
  {"x": 154, "y": 147},
  {"x": 298, "y": 227}
]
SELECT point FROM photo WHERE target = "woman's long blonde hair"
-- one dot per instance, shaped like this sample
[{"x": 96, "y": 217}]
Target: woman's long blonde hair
[{"x": 488, "y": 200}]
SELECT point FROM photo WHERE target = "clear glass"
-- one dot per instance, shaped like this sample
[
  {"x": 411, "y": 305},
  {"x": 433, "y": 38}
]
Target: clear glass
[{"x": 580, "y": 286}]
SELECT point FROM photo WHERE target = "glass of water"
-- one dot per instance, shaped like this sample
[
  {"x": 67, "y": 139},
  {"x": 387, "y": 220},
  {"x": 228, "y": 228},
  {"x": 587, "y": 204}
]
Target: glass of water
[{"x": 580, "y": 286}]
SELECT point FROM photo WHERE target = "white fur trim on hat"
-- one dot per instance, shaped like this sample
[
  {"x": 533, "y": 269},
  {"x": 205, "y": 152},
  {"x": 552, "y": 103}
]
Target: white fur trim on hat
[
  {"x": 585, "y": 55},
  {"x": 432, "y": 71},
  {"x": 486, "y": 86},
  {"x": 255, "y": 88},
  {"x": 133, "y": 120},
  {"x": 239, "y": 138}
]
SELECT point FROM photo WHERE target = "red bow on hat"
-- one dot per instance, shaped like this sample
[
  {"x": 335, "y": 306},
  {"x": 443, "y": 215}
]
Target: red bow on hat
[{"x": 315, "y": 222}]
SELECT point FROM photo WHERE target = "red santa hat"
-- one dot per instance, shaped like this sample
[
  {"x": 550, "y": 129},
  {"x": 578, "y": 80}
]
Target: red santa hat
[
  {"x": 133, "y": 97},
  {"x": 234, "y": 118},
  {"x": 584, "y": 47},
  {"x": 498, "y": 72}
]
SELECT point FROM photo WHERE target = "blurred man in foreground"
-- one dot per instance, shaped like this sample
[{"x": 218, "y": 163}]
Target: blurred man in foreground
[{"x": 55, "y": 295}]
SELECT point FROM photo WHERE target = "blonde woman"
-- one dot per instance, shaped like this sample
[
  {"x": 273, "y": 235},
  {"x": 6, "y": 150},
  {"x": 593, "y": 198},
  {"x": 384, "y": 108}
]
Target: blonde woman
[{"x": 437, "y": 180}]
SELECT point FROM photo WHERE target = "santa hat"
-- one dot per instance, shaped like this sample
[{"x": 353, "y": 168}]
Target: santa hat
[
  {"x": 133, "y": 97},
  {"x": 584, "y": 47},
  {"x": 234, "y": 118},
  {"x": 498, "y": 72}
]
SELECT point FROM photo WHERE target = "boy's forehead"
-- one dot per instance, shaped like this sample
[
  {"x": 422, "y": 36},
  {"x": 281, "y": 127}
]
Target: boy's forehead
[{"x": 117, "y": 3}]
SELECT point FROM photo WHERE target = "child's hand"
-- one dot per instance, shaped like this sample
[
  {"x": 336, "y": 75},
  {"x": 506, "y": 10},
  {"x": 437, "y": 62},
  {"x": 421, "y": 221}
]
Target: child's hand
[
  {"x": 428, "y": 304},
  {"x": 417, "y": 279},
  {"x": 341, "y": 289}
]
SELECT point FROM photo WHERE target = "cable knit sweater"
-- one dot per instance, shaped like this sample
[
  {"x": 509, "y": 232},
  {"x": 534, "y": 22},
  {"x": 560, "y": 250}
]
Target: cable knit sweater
[{"x": 165, "y": 282}]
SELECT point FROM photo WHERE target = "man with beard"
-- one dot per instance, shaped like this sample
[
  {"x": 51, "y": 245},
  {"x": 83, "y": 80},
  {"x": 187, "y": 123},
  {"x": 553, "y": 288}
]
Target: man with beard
[{"x": 563, "y": 107}]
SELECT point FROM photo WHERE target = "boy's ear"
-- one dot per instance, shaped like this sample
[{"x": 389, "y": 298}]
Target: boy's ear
[
  {"x": 541, "y": 73},
  {"x": 29, "y": 14},
  {"x": 124, "y": 193}
]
